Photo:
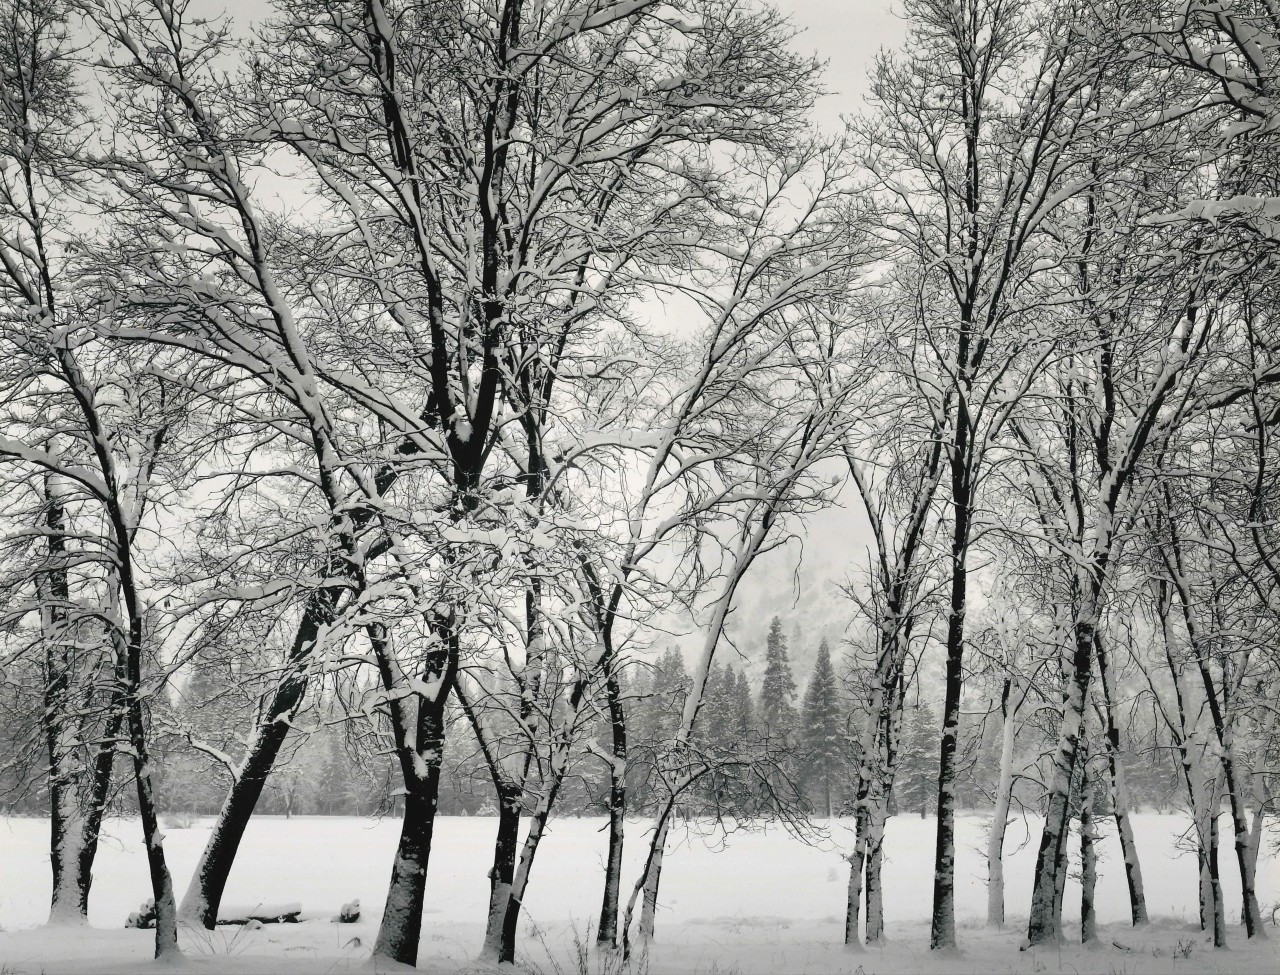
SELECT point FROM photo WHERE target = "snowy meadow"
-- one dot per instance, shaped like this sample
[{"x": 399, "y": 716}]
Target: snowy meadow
[{"x": 749, "y": 902}]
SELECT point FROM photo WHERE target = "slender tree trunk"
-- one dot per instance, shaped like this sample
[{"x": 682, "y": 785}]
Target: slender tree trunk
[
  {"x": 1000, "y": 818},
  {"x": 1120, "y": 794},
  {"x": 1251, "y": 910},
  {"x": 1088, "y": 863},
  {"x": 649, "y": 910},
  {"x": 943, "y": 924},
  {"x": 166, "y": 943},
  {"x": 607, "y": 933},
  {"x": 1215, "y": 875},
  {"x": 1262, "y": 800},
  {"x": 520, "y": 882}
]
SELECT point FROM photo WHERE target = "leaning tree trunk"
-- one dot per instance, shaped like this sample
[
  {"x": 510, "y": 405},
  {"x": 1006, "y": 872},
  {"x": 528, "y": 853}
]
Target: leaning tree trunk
[
  {"x": 209, "y": 880},
  {"x": 1120, "y": 794},
  {"x": 529, "y": 850}
]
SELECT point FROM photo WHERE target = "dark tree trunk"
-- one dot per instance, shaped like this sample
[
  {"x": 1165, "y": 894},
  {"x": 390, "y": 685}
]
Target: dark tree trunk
[
  {"x": 209, "y": 880},
  {"x": 1088, "y": 864},
  {"x": 502, "y": 873},
  {"x": 1215, "y": 876},
  {"x": 943, "y": 925},
  {"x": 608, "y": 930}
]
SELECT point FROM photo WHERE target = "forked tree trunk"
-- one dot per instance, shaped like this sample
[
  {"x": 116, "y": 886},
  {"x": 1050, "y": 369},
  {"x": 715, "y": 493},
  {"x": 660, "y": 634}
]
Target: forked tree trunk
[
  {"x": 857, "y": 872},
  {"x": 528, "y": 851},
  {"x": 73, "y": 865},
  {"x": 1042, "y": 925}
]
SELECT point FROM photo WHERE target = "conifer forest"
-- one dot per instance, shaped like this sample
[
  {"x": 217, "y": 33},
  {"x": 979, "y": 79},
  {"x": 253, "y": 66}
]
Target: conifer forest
[{"x": 634, "y": 487}]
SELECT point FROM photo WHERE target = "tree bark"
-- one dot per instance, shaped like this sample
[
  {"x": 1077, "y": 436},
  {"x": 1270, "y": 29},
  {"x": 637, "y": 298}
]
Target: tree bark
[
  {"x": 1088, "y": 863},
  {"x": 502, "y": 873},
  {"x": 649, "y": 910},
  {"x": 1120, "y": 794},
  {"x": 420, "y": 757},
  {"x": 942, "y": 932},
  {"x": 875, "y": 889},
  {"x": 1042, "y": 925},
  {"x": 401, "y": 927},
  {"x": 607, "y": 933},
  {"x": 857, "y": 868},
  {"x": 1000, "y": 818},
  {"x": 209, "y": 880}
]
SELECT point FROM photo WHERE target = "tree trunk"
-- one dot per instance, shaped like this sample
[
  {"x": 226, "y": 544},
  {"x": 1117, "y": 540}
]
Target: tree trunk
[
  {"x": 520, "y": 882},
  {"x": 1060, "y": 878},
  {"x": 401, "y": 927},
  {"x": 857, "y": 867},
  {"x": 607, "y": 933},
  {"x": 1042, "y": 926},
  {"x": 166, "y": 943},
  {"x": 648, "y": 913},
  {"x": 503, "y": 872},
  {"x": 1250, "y": 909},
  {"x": 875, "y": 890},
  {"x": 943, "y": 924},
  {"x": 1120, "y": 794},
  {"x": 1088, "y": 863},
  {"x": 1000, "y": 818},
  {"x": 1215, "y": 876},
  {"x": 209, "y": 880}
]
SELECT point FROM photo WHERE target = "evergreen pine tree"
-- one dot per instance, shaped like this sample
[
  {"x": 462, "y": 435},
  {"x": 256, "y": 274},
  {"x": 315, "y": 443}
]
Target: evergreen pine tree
[
  {"x": 822, "y": 735},
  {"x": 744, "y": 709},
  {"x": 777, "y": 714},
  {"x": 916, "y": 783}
]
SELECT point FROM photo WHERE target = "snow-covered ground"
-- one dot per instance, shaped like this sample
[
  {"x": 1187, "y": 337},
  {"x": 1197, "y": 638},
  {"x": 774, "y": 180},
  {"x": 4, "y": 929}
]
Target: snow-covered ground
[{"x": 756, "y": 902}]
